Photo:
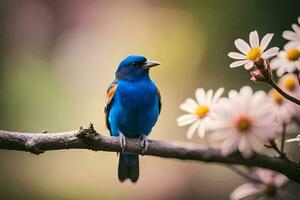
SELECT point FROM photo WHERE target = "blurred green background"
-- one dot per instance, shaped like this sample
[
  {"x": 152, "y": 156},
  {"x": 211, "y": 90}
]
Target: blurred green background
[{"x": 57, "y": 58}]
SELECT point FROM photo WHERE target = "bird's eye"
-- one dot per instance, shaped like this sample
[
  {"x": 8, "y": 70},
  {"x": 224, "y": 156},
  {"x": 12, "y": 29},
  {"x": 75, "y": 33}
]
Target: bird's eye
[{"x": 136, "y": 64}]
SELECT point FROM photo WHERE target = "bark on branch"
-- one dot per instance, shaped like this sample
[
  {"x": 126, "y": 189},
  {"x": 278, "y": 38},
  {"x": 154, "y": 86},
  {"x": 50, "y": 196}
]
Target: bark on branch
[{"x": 37, "y": 143}]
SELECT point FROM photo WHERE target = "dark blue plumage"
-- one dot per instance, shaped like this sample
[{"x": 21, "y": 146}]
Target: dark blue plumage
[{"x": 133, "y": 106}]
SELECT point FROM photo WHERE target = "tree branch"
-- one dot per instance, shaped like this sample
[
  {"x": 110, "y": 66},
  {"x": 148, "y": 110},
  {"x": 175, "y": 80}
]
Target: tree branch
[{"x": 89, "y": 139}]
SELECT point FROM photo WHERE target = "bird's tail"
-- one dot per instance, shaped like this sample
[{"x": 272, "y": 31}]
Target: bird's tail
[{"x": 128, "y": 167}]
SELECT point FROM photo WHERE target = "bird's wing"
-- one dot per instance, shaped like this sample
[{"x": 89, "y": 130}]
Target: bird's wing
[
  {"x": 109, "y": 97},
  {"x": 159, "y": 100}
]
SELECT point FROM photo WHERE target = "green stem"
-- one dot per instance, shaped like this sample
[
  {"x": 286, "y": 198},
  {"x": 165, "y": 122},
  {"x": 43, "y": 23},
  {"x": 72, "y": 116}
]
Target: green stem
[
  {"x": 278, "y": 89},
  {"x": 283, "y": 138}
]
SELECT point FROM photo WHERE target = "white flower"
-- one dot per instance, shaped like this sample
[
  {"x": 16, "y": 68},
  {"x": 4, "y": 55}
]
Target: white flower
[
  {"x": 253, "y": 52},
  {"x": 292, "y": 36},
  {"x": 286, "y": 61},
  {"x": 267, "y": 187},
  {"x": 282, "y": 108},
  {"x": 244, "y": 122},
  {"x": 200, "y": 113},
  {"x": 296, "y": 139}
]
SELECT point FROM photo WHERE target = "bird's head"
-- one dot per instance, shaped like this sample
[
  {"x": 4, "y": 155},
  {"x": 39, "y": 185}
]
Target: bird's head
[{"x": 134, "y": 68}]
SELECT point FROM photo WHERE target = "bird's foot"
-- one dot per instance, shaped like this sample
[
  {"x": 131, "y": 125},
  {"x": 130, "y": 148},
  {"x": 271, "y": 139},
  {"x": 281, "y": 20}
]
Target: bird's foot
[
  {"x": 122, "y": 139},
  {"x": 144, "y": 143}
]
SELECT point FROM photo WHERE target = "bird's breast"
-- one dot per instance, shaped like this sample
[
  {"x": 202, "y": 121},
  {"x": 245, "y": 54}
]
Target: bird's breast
[
  {"x": 137, "y": 107},
  {"x": 137, "y": 95}
]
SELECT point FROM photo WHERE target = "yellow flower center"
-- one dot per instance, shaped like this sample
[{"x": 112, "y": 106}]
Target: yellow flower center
[
  {"x": 243, "y": 124},
  {"x": 254, "y": 54},
  {"x": 202, "y": 111},
  {"x": 293, "y": 55},
  {"x": 277, "y": 97},
  {"x": 290, "y": 84}
]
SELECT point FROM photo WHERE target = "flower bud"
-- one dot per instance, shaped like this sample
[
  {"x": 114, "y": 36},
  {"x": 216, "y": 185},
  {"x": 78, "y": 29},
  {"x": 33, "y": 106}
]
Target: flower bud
[
  {"x": 257, "y": 76},
  {"x": 263, "y": 66}
]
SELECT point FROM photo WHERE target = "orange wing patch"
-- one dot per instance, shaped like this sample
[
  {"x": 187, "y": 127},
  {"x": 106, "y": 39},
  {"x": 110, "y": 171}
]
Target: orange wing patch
[
  {"x": 111, "y": 91},
  {"x": 109, "y": 95}
]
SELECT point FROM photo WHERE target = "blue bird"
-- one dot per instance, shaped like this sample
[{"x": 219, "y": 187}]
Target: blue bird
[{"x": 132, "y": 107}]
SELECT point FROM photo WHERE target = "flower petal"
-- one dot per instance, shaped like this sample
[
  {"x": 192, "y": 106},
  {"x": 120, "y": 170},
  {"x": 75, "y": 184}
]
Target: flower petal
[
  {"x": 238, "y": 63},
  {"x": 253, "y": 39},
  {"x": 289, "y": 35},
  {"x": 242, "y": 46},
  {"x": 293, "y": 140},
  {"x": 200, "y": 95},
  {"x": 244, "y": 147},
  {"x": 265, "y": 41},
  {"x": 279, "y": 180},
  {"x": 258, "y": 98},
  {"x": 192, "y": 129},
  {"x": 296, "y": 28},
  {"x": 244, "y": 191},
  {"x": 248, "y": 65},
  {"x": 291, "y": 44},
  {"x": 186, "y": 119},
  {"x": 189, "y": 105},
  {"x": 270, "y": 53},
  {"x": 232, "y": 94},
  {"x": 201, "y": 129},
  {"x": 280, "y": 71},
  {"x": 217, "y": 95},
  {"x": 237, "y": 56},
  {"x": 229, "y": 144},
  {"x": 246, "y": 91},
  {"x": 209, "y": 95}
]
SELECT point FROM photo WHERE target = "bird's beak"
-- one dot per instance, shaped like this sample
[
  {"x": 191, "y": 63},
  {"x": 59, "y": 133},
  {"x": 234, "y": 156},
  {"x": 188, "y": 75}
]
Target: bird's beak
[{"x": 148, "y": 64}]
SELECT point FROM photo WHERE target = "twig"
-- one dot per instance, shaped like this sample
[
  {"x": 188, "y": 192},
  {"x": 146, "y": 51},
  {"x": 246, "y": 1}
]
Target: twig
[
  {"x": 89, "y": 139},
  {"x": 274, "y": 146}
]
